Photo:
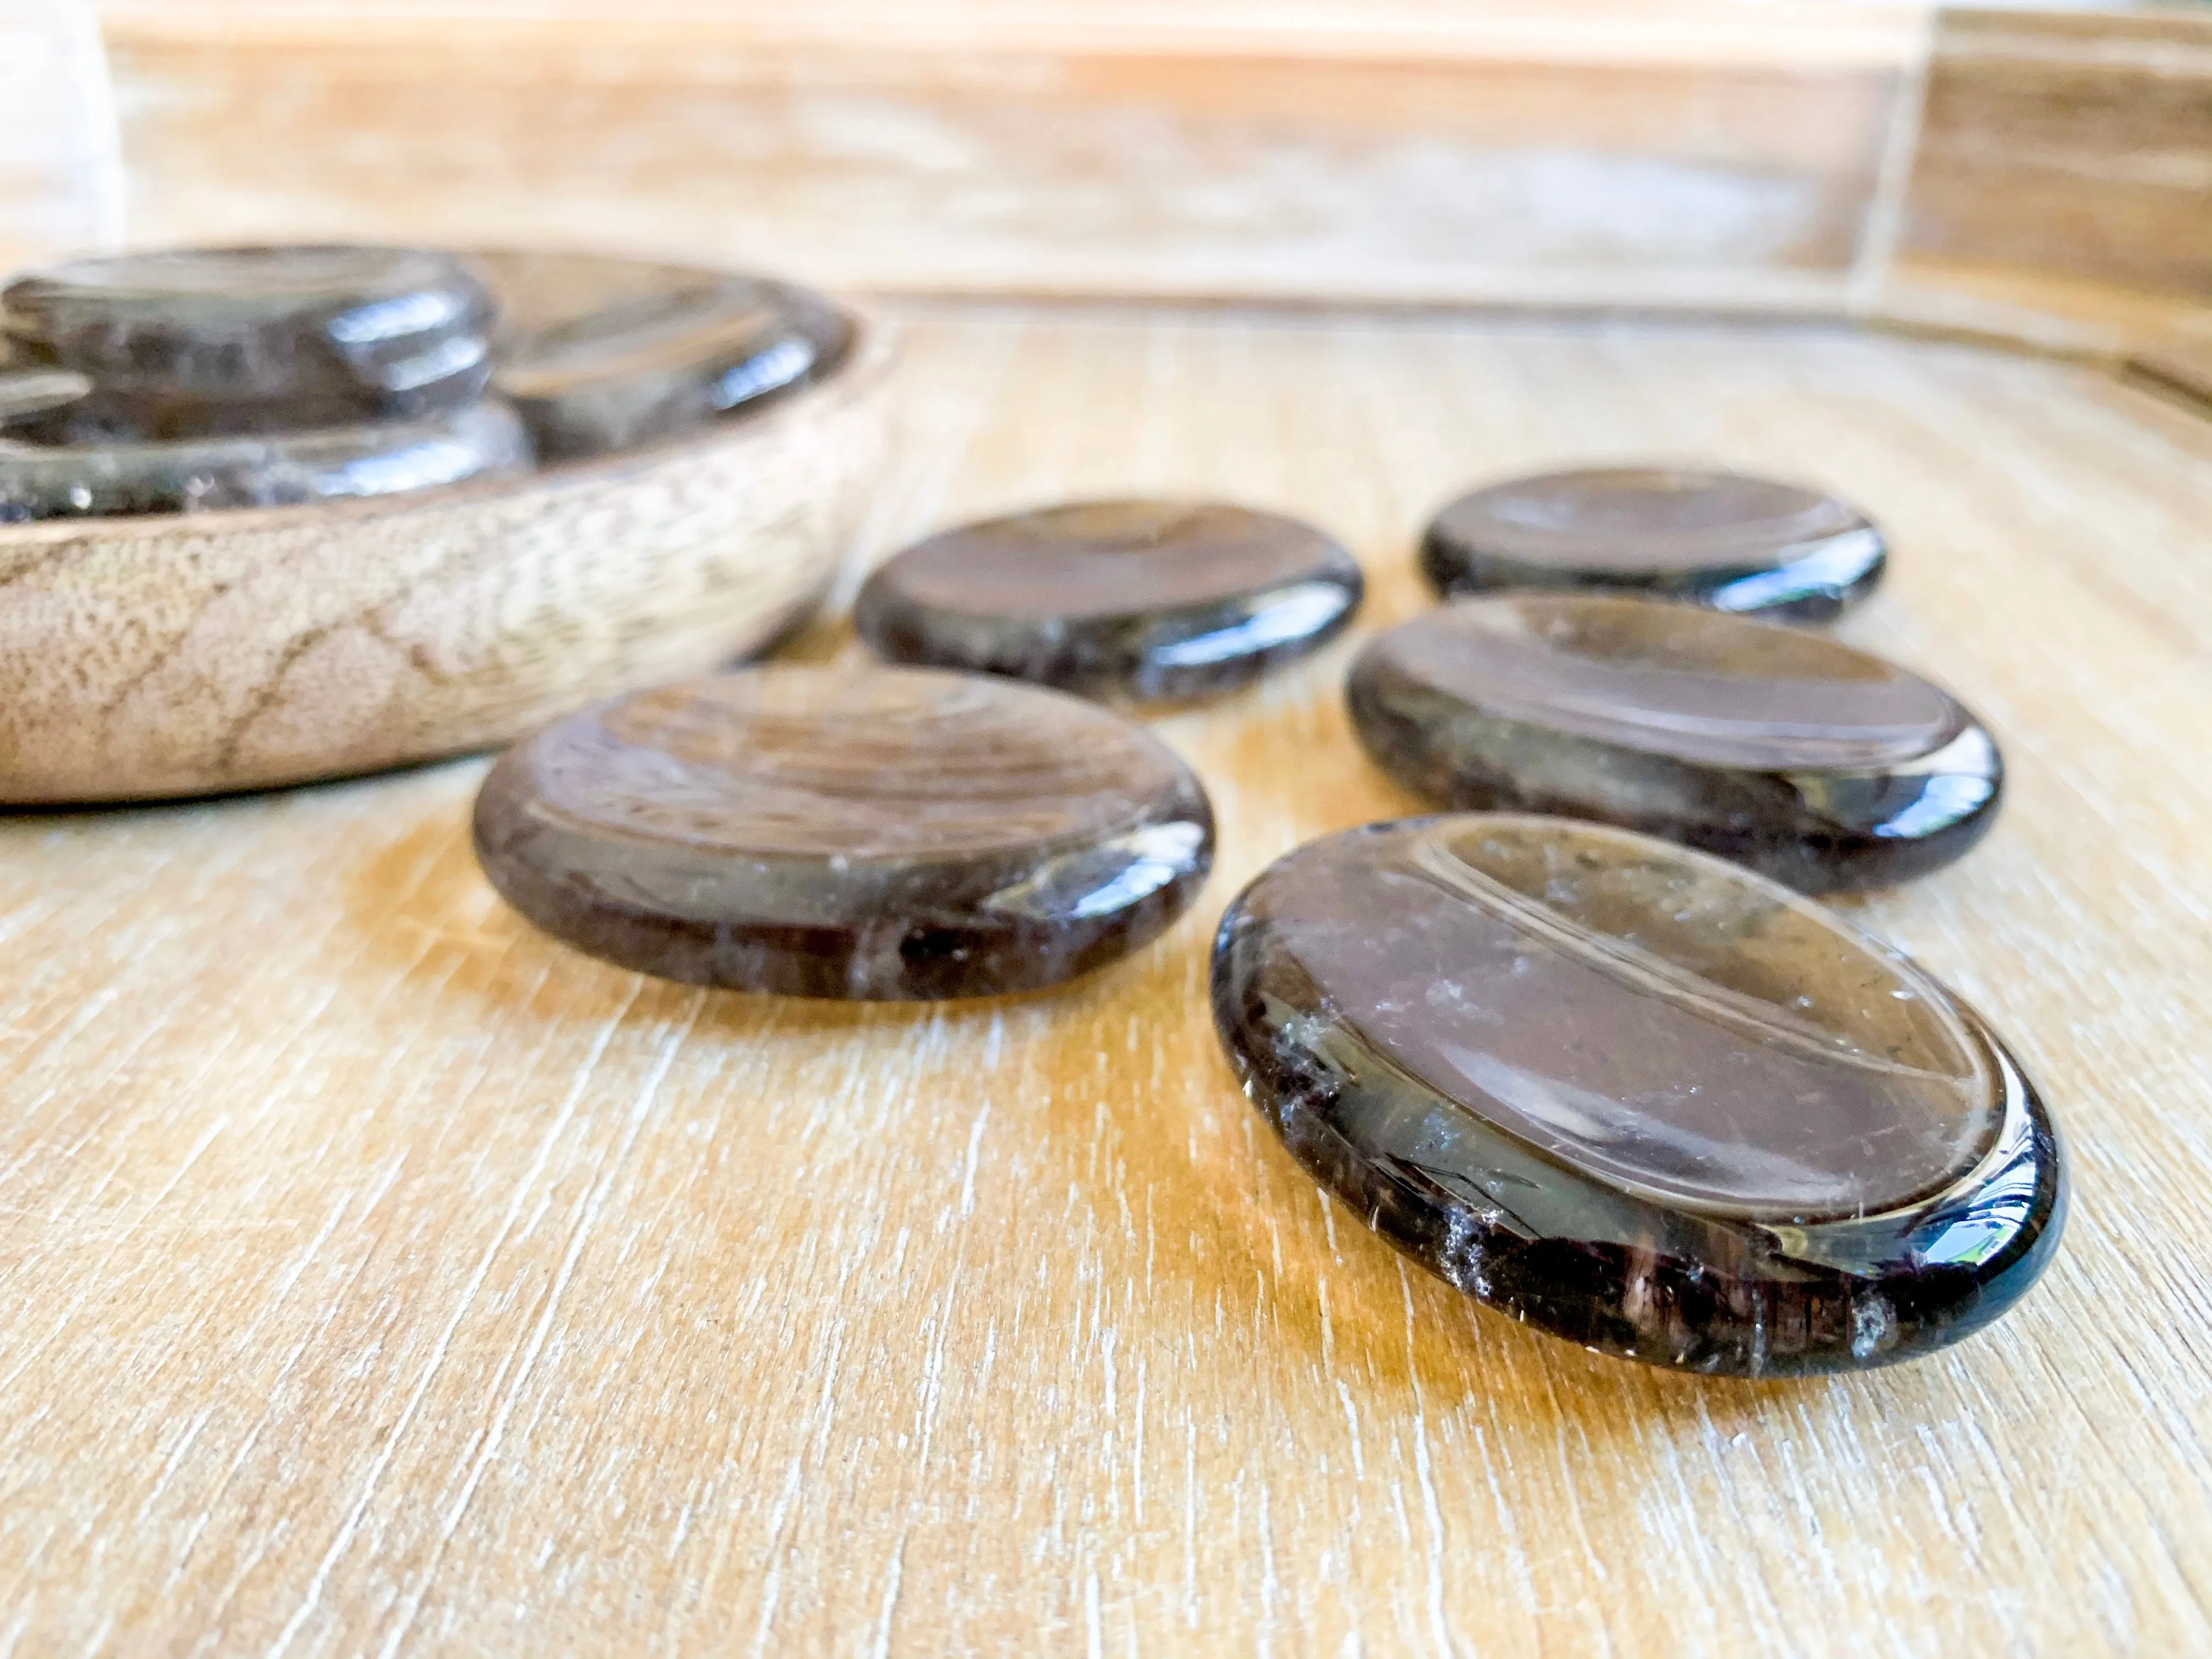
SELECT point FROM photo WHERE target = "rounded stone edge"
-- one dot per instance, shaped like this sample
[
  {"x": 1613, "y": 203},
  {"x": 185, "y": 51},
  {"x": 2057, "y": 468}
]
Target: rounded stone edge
[
  {"x": 860, "y": 965},
  {"x": 1101, "y": 658},
  {"x": 1838, "y": 855},
  {"x": 44, "y": 313},
  {"x": 620, "y": 415},
  {"x": 1858, "y": 1318},
  {"x": 154, "y": 477},
  {"x": 1455, "y": 568}
]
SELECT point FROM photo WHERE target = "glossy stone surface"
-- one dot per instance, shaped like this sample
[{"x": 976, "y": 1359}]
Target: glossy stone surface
[
  {"x": 25, "y": 392},
  {"x": 193, "y": 474},
  {"x": 1638, "y": 1097},
  {"x": 1722, "y": 539},
  {"x": 877, "y": 834},
  {"x": 215, "y": 341},
  {"x": 653, "y": 365},
  {"x": 1131, "y": 599},
  {"x": 1824, "y": 767}
]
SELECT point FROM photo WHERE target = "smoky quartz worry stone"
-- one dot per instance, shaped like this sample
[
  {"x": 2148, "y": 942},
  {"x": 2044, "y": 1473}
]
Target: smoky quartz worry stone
[
  {"x": 882, "y": 834},
  {"x": 1124, "y": 601},
  {"x": 202, "y": 341},
  {"x": 1821, "y": 766},
  {"x": 1722, "y": 539},
  {"x": 1636, "y": 1096},
  {"x": 656, "y": 364},
  {"x": 277, "y": 469}
]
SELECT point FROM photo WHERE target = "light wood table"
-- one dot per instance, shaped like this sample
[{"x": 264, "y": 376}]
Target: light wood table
[{"x": 381, "y": 1278}]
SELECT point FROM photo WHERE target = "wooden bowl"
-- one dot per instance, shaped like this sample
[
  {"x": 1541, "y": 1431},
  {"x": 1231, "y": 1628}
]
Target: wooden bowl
[{"x": 193, "y": 654}]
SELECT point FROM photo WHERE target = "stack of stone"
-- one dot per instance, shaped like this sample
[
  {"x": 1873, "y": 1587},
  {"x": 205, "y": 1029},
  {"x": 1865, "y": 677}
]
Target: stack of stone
[
  {"x": 204, "y": 379},
  {"x": 251, "y": 377}
]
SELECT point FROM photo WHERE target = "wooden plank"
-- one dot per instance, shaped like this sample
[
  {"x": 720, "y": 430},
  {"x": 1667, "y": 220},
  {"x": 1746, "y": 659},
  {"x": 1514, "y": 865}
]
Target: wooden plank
[
  {"x": 2040, "y": 313},
  {"x": 381, "y": 1278},
  {"x": 2069, "y": 145},
  {"x": 1417, "y": 152},
  {"x": 1861, "y": 33}
]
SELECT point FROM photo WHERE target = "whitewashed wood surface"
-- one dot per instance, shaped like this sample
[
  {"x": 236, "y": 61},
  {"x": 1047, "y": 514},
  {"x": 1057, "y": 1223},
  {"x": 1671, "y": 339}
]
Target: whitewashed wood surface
[{"x": 378, "y": 1277}]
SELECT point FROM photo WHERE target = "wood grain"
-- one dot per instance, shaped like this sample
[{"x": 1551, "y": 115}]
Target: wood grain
[
  {"x": 382, "y": 1278},
  {"x": 1416, "y": 152},
  {"x": 1896, "y": 161},
  {"x": 2070, "y": 145},
  {"x": 184, "y": 654}
]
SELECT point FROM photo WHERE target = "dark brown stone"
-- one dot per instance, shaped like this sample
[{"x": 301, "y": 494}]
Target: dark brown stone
[
  {"x": 194, "y": 475},
  {"x": 1132, "y": 599},
  {"x": 693, "y": 349},
  {"x": 206, "y": 341},
  {"x": 1723, "y": 539},
  {"x": 1638, "y": 1097},
  {"x": 881, "y": 834},
  {"x": 1822, "y": 766}
]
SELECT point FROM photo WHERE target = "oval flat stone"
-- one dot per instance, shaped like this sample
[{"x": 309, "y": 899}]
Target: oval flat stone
[
  {"x": 653, "y": 365},
  {"x": 210, "y": 341},
  {"x": 30, "y": 391},
  {"x": 1636, "y": 1096},
  {"x": 1723, "y": 539},
  {"x": 880, "y": 835},
  {"x": 195, "y": 475},
  {"x": 1820, "y": 765},
  {"x": 1125, "y": 599}
]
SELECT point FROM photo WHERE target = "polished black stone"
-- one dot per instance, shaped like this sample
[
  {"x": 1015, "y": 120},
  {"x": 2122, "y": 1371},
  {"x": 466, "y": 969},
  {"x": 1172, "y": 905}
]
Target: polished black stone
[
  {"x": 222, "y": 341},
  {"x": 1821, "y": 766},
  {"x": 1132, "y": 599},
  {"x": 1638, "y": 1097},
  {"x": 878, "y": 834},
  {"x": 655, "y": 364},
  {"x": 1718, "y": 538},
  {"x": 196, "y": 475}
]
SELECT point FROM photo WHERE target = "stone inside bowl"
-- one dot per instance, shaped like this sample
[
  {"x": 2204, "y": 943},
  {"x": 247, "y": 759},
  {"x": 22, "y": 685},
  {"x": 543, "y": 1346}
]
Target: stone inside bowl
[{"x": 575, "y": 355}]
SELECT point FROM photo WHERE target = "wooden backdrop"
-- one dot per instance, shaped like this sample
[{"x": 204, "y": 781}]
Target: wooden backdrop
[
  {"x": 1819, "y": 155},
  {"x": 378, "y": 1277}
]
